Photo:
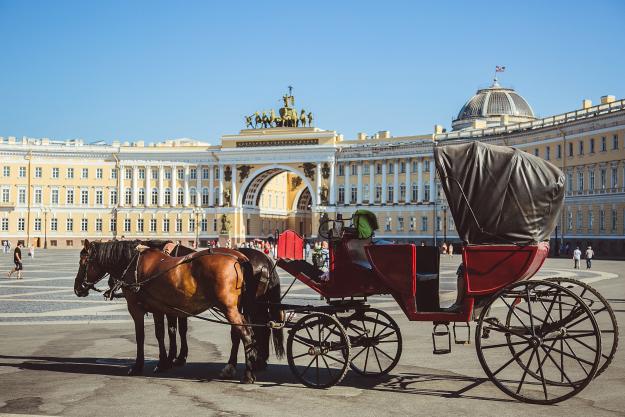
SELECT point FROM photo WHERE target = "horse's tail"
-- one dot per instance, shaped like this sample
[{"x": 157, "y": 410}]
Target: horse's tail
[{"x": 275, "y": 313}]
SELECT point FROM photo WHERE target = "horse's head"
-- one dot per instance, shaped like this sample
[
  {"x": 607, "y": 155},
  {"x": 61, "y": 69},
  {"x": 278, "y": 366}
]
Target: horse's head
[{"x": 89, "y": 271}]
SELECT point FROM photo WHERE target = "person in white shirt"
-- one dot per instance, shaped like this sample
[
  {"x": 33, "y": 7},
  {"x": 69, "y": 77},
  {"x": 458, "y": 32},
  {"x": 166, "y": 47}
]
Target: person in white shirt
[
  {"x": 577, "y": 256},
  {"x": 589, "y": 255}
]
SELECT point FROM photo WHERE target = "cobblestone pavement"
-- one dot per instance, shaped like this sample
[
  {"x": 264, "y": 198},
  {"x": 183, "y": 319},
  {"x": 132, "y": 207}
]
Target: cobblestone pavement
[{"x": 64, "y": 355}]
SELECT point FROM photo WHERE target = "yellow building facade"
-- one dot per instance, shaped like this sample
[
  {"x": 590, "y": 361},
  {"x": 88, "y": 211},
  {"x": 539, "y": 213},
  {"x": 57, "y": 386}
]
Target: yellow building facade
[{"x": 268, "y": 178}]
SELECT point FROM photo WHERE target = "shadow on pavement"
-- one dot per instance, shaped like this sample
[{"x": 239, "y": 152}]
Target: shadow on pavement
[{"x": 455, "y": 386}]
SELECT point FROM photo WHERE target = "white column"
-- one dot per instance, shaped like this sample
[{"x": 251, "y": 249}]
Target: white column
[
  {"x": 332, "y": 185},
  {"x": 371, "y": 182},
  {"x": 174, "y": 186},
  {"x": 408, "y": 181},
  {"x": 186, "y": 186},
  {"x": 161, "y": 186},
  {"x": 198, "y": 186},
  {"x": 395, "y": 182},
  {"x": 135, "y": 186},
  {"x": 318, "y": 184},
  {"x": 359, "y": 191},
  {"x": 121, "y": 195},
  {"x": 347, "y": 183},
  {"x": 148, "y": 186},
  {"x": 432, "y": 176},
  {"x": 221, "y": 185},
  {"x": 233, "y": 191},
  {"x": 420, "y": 179},
  {"x": 211, "y": 186},
  {"x": 384, "y": 194}
]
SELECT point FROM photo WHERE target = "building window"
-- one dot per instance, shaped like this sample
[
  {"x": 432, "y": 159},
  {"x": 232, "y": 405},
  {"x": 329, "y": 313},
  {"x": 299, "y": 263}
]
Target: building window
[
  {"x": 580, "y": 147},
  {"x": 141, "y": 173},
  {"x": 214, "y": 225},
  {"x": 6, "y": 171},
  {"x": 114, "y": 173},
  {"x": 415, "y": 192},
  {"x": 614, "y": 179},
  {"x": 390, "y": 193},
  {"x": 21, "y": 224},
  {"x": 128, "y": 173},
  {"x": 615, "y": 142},
  {"x": 5, "y": 195},
  {"x": 38, "y": 195},
  {"x": 98, "y": 225},
  {"x": 55, "y": 173},
  {"x": 569, "y": 182},
  {"x": 167, "y": 196},
  {"x": 391, "y": 168},
  {"x": 193, "y": 197},
  {"x": 413, "y": 223},
  {"x": 22, "y": 172},
  {"x": 141, "y": 196},
  {"x": 438, "y": 223},
  {"x": 54, "y": 197},
  {"x": 602, "y": 178},
  {"x": 548, "y": 153},
  {"x": 205, "y": 196},
  {"x": 69, "y": 196},
  {"x": 99, "y": 173},
  {"x": 84, "y": 197},
  {"x": 192, "y": 225},
  {"x": 591, "y": 220},
  {"x": 180, "y": 196},
  {"x": 168, "y": 174},
  {"x": 84, "y": 173},
  {"x": 154, "y": 173},
  {"x": 387, "y": 227},
  {"x": 84, "y": 225},
  {"x": 614, "y": 221},
  {"x": 126, "y": 225},
  {"x": 113, "y": 198},
  {"x": 178, "y": 225},
  {"x": 113, "y": 225},
  {"x": 180, "y": 173},
  {"x": 569, "y": 220},
  {"x": 205, "y": 173},
  {"x": 5, "y": 225},
  {"x": 70, "y": 225},
  {"x": 402, "y": 167},
  {"x": 128, "y": 196},
  {"x": 426, "y": 192},
  {"x": 21, "y": 196},
  {"x": 193, "y": 173},
  {"x": 402, "y": 192},
  {"x": 400, "y": 223},
  {"x": 559, "y": 151},
  {"x": 378, "y": 168},
  {"x": 139, "y": 225},
  {"x": 38, "y": 172},
  {"x": 54, "y": 225},
  {"x": 580, "y": 181},
  {"x": 154, "y": 196},
  {"x": 424, "y": 223},
  {"x": 591, "y": 180},
  {"x": 366, "y": 168},
  {"x": 365, "y": 192},
  {"x": 165, "y": 225},
  {"x": 592, "y": 145},
  {"x": 37, "y": 225},
  {"x": 216, "y": 173},
  {"x": 535, "y": 151},
  {"x": 70, "y": 173},
  {"x": 204, "y": 225},
  {"x": 604, "y": 144},
  {"x": 153, "y": 225},
  {"x": 354, "y": 195},
  {"x": 602, "y": 220},
  {"x": 341, "y": 170},
  {"x": 571, "y": 149},
  {"x": 579, "y": 222},
  {"x": 341, "y": 194},
  {"x": 378, "y": 193}
]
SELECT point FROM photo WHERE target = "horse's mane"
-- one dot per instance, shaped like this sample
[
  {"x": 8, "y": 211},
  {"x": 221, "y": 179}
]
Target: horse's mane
[{"x": 116, "y": 255}]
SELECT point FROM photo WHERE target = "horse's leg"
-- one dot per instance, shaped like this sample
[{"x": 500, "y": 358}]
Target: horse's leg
[
  {"x": 230, "y": 370},
  {"x": 159, "y": 328},
  {"x": 247, "y": 336},
  {"x": 137, "y": 316},
  {"x": 172, "y": 325},
  {"x": 184, "y": 348}
]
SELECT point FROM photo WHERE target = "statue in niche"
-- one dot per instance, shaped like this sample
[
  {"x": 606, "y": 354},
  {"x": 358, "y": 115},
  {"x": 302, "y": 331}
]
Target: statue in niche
[
  {"x": 227, "y": 197},
  {"x": 228, "y": 174},
  {"x": 325, "y": 171},
  {"x": 225, "y": 224},
  {"x": 324, "y": 195}
]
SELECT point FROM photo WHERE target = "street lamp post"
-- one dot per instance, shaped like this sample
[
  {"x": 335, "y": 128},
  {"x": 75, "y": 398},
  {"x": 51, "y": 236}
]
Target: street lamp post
[
  {"x": 434, "y": 223},
  {"x": 45, "y": 227},
  {"x": 197, "y": 212},
  {"x": 444, "y": 208}
]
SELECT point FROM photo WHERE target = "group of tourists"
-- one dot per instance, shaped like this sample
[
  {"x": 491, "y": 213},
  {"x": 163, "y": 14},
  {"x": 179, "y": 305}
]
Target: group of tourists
[
  {"x": 577, "y": 257},
  {"x": 447, "y": 249}
]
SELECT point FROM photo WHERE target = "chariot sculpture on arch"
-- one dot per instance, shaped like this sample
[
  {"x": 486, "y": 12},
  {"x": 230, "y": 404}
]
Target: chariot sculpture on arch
[{"x": 287, "y": 116}]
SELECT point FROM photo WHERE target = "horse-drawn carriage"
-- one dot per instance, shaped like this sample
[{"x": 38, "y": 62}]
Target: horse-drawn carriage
[{"x": 539, "y": 341}]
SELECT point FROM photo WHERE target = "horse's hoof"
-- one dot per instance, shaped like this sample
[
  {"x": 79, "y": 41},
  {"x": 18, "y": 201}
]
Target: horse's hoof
[
  {"x": 229, "y": 372},
  {"x": 249, "y": 378},
  {"x": 180, "y": 362},
  {"x": 135, "y": 370}
]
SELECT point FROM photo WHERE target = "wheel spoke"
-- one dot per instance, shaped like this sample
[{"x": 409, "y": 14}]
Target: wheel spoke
[
  {"x": 327, "y": 366},
  {"x": 332, "y": 357},
  {"x": 358, "y": 354},
  {"x": 573, "y": 357},
  {"x": 525, "y": 371},
  {"x": 307, "y": 367},
  {"x": 301, "y": 340},
  {"x": 514, "y": 358},
  {"x": 529, "y": 307},
  {"x": 366, "y": 359},
  {"x": 504, "y": 345},
  {"x": 542, "y": 375},
  {"x": 504, "y": 329},
  {"x": 375, "y": 353},
  {"x": 512, "y": 309},
  {"x": 382, "y": 352},
  {"x": 299, "y": 356},
  {"x": 557, "y": 366}
]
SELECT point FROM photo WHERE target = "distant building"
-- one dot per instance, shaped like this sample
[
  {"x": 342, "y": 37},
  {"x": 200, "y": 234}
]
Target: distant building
[{"x": 264, "y": 179}]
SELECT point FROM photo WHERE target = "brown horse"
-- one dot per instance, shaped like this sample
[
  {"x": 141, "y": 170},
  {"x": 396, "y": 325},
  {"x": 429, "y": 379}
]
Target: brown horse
[{"x": 167, "y": 285}]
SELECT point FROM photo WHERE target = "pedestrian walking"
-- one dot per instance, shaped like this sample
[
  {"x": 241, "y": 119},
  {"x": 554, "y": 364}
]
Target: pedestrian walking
[
  {"x": 577, "y": 256},
  {"x": 450, "y": 249},
  {"x": 589, "y": 255},
  {"x": 17, "y": 259},
  {"x": 31, "y": 251},
  {"x": 307, "y": 250}
]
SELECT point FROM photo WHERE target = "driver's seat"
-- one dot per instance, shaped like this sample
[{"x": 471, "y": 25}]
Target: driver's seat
[{"x": 356, "y": 252}]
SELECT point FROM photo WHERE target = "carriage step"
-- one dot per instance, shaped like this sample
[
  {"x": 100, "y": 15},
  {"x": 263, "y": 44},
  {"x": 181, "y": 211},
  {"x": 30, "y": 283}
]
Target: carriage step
[
  {"x": 464, "y": 329},
  {"x": 441, "y": 333}
]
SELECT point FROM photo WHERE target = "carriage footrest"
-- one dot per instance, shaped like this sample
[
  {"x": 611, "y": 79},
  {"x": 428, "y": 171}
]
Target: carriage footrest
[
  {"x": 440, "y": 333},
  {"x": 462, "y": 336}
]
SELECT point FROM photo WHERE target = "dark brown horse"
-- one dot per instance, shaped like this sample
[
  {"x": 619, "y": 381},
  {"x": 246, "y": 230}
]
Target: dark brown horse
[{"x": 167, "y": 285}]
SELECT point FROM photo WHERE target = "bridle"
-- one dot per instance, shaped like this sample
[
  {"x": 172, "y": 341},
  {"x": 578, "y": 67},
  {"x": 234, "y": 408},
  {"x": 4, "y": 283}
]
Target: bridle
[{"x": 85, "y": 284}]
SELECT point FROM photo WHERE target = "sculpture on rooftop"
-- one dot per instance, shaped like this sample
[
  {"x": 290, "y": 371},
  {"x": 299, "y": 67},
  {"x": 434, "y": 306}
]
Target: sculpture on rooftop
[{"x": 288, "y": 116}]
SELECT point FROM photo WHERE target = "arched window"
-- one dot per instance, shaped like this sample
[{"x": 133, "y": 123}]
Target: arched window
[
  {"x": 180, "y": 200},
  {"x": 378, "y": 193},
  {"x": 216, "y": 196},
  {"x": 365, "y": 192},
  {"x": 141, "y": 196},
  {"x": 154, "y": 196},
  {"x": 390, "y": 193},
  {"x": 205, "y": 196},
  {"x": 128, "y": 196},
  {"x": 341, "y": 194},
  {"x": 167, "y": 196},
  {"x": 193, "y": 197},
  {"x": 402, "y": 192}
]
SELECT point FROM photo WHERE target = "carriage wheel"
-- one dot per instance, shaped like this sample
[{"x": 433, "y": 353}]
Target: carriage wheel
[
  {"x": 375, "y": 339},
  {"x": 318, "y": 350},
  {"x": 604, "y": 315},
  {"x": 552, "y": 335}
]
